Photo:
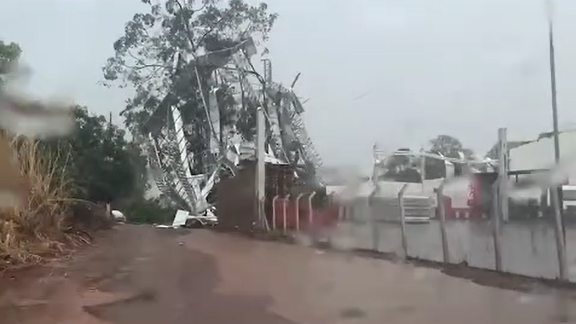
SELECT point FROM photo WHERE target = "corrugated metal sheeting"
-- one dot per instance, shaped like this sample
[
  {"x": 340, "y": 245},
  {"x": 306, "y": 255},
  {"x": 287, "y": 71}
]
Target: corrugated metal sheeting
[{"x": 539, "y": 153}]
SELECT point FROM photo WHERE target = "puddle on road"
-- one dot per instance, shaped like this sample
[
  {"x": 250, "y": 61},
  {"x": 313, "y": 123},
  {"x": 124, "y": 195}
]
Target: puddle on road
[
  {"x": 142, "y": 259},
  {"x": 96, "y": 298},
  {"x": 352, "y": 313},
  {"x": 99, "y": 309}
]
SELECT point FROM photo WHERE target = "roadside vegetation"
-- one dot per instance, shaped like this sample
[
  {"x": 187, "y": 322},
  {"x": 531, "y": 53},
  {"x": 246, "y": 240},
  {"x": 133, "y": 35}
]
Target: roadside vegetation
[{"x": 64, "y": 184}]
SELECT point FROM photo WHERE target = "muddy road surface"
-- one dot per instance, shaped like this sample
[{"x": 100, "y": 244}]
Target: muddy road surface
[{"x": 142, "y": 275}]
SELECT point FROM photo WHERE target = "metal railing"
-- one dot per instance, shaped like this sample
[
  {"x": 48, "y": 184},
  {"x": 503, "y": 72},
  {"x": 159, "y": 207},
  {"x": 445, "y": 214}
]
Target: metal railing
[
  {"x": 521, "y": 246},
  {"x": 527, "y": 247}
]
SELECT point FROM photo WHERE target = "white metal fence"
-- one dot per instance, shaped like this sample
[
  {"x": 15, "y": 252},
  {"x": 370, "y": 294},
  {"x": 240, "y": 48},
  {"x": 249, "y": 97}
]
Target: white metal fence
[{"x": 527, "y": 247}]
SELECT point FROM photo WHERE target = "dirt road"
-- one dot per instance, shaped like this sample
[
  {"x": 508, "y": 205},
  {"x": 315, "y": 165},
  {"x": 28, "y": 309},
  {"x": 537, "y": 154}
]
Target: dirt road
[{"x": 142, "y": 275}]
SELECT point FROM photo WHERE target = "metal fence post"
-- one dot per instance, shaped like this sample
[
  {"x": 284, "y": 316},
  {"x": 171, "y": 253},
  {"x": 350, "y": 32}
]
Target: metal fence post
[
  {"x": 372, "y": 220},
  {"x": 349, "y": 212},
  {"x": 311, "y": 228},
  {"x": 341, "y": 212},
  {"x": 310, "y": 210},
  {"x": 503, "y": 174},
  {"x": 442, "y": 221},
  {"x": 260, "y": 173},
  {"x": 403, "y": 220},
  {"x": 560, "y": 247},
  {"x": 496, "y": 226},
  {"x": 286, "y": 201},
  {"x": 274, "y": 212},
  {"x": 297, "y": 204}
]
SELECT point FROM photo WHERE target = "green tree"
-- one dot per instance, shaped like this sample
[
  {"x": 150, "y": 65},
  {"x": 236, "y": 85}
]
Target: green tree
[
  {"x": 144, "y": 55},
  {"x": 449, "y": 146},
  {"x": 102, "y": 164},
  {"x": 9, "y": 55},
  {"x": 141, "y": 210}
]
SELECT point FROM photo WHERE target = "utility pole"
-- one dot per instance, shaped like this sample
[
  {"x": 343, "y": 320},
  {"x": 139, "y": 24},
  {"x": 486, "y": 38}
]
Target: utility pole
[
  {"x": 260, "y": 179},
  {"x": 550, "y": 13},
  {"x": 261, "y": 148},
  {"x": 503, "y": 195},
  {"x": 108, "y": 203}
]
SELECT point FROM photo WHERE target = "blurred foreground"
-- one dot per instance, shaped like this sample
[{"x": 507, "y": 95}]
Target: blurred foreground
[{"x": 138, "y": 274}]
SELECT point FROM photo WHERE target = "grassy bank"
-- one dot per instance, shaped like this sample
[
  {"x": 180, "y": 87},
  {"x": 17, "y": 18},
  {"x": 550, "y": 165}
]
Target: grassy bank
[{"x": 46, "y": 222}]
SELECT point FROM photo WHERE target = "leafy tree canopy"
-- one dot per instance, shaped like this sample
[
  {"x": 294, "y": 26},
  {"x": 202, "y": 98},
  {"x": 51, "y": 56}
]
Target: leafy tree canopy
[
  {"x": 102, "y": 164},
  {"x": 9, "y": 54},
  {"x": 449, "y": 146},
  {"x": 144, "y": 55}
]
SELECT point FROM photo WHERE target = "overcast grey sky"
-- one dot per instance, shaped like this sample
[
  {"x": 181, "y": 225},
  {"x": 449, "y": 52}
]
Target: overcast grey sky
[{"x": 394, "y": 71}]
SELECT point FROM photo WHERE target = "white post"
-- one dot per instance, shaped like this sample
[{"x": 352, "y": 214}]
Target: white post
[
  {"x": 423, "y": 169},
  {"x": 442, "y": 218},
  {"x": 403, "y": 220},
  {"x": 260, "y": 167},
  {"x": 286, "y": 201},
  {"x": 314, "y": 230},
  {"x": 496, "y": 226},
  {"x": 560, "y": 247},
  {"x": 297, "y": 204},
  {"x": 341, "y": 213},
  {"x": 503, "y": 173},
  {"x": 274, "y": 212},
  {"x": 310, "y": 210},
  {"x": 373, "y": 220},
  {"x": 372, "y": 205}
]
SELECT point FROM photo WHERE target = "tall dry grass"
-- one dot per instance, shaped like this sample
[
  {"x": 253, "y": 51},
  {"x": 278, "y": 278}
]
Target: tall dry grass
[{"x": 36, "y": 228}]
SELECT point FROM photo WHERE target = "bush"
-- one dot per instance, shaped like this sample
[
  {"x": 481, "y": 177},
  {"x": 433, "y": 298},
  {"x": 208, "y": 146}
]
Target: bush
[
  {"x": 148, "y": 211},
  {"x": 105, "y": 166}
]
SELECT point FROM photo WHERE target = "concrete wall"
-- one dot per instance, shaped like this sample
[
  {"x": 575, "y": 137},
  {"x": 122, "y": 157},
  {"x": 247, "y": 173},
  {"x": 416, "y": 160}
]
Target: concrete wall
[
  {"x": 236, "y": 196},
  {"x": 236, "y": 202}
]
